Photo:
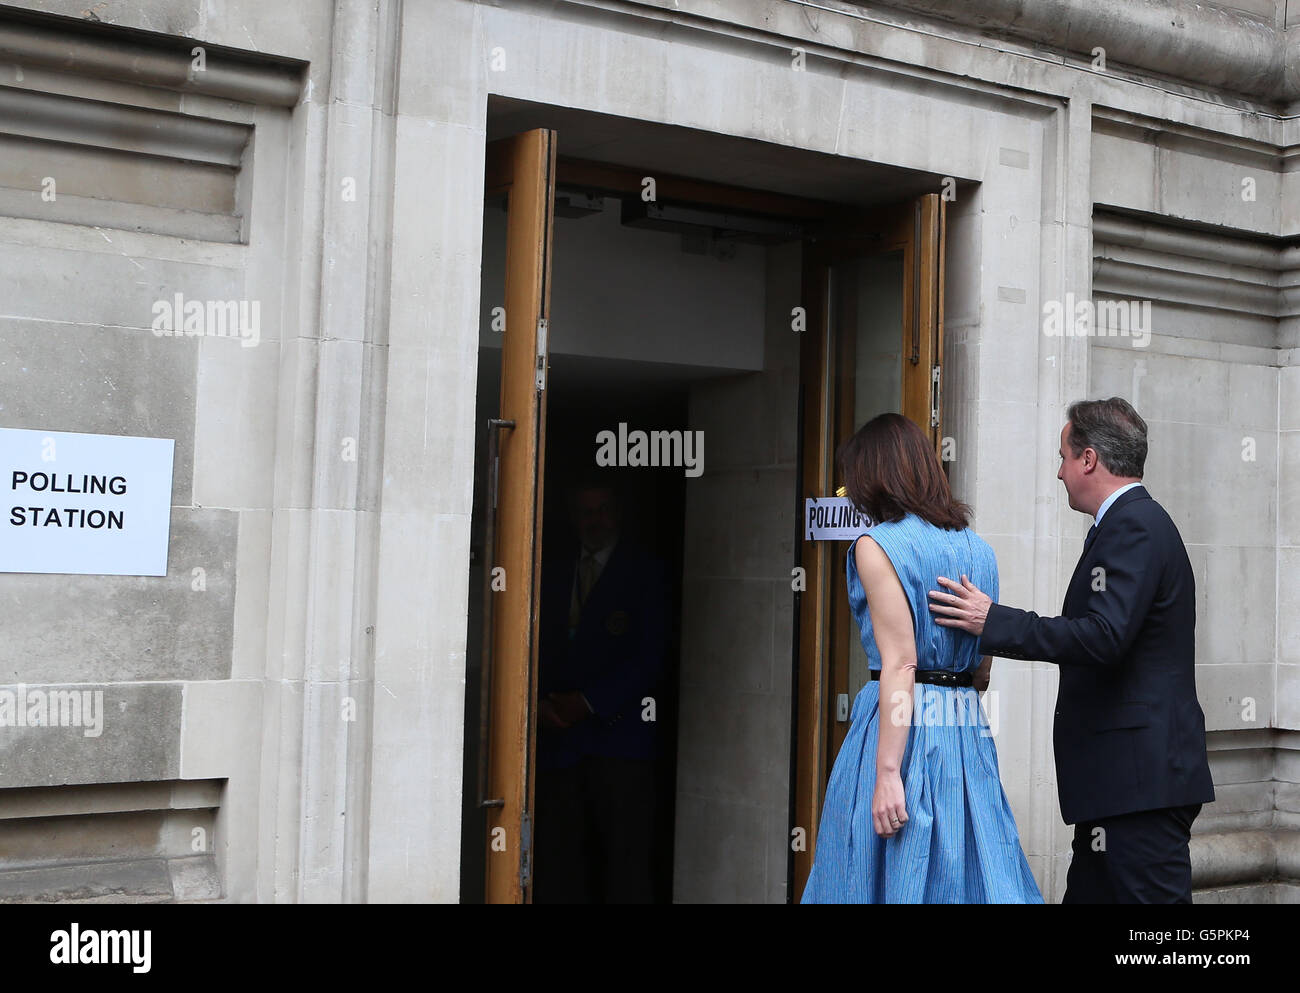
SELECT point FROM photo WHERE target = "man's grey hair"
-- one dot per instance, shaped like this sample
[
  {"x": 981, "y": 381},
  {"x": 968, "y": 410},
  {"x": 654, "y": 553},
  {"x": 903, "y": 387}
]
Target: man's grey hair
[{"x": 1113, "y": 429}]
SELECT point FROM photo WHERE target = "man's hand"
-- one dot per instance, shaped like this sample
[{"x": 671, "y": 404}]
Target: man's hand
[
  {"x": 570, "y": 707},
  {"x": 965, "y": 607}
]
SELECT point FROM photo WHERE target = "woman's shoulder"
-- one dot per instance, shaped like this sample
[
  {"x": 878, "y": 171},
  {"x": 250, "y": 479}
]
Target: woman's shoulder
[
  {"x": 911, "y": 522},
  {"x": 975, "y": 538},
  {"x": 888, "y": 534},
  {"x": 981, "y": 547},
  {"x": 901, "y": 534},
  {"x": 965, "y": 535}
]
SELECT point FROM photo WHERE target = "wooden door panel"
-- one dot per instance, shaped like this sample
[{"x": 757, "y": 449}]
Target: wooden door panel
[
  {"x": 826, "y": 411},
  {"x": 523, "y": 167}
]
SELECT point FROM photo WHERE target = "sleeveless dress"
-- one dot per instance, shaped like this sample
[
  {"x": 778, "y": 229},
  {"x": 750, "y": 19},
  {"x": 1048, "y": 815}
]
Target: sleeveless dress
[{"x": 960, "y": 843}]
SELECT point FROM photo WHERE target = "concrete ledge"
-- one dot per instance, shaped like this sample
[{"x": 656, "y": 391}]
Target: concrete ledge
[
  {"x": 1206, "y": 45},
  {"x": 108, "y": 798},
  {"x": 1248, "y": 858},
  {"x": 147, "y": 58},
  {"x": 1266, "y": 893},
  {"x": 156, "y": 880}
]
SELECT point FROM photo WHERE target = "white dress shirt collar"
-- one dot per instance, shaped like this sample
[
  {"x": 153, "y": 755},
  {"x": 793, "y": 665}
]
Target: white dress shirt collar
[
  {"x": 1111, "y": 499},
  {"x": 601, "y": 555}
]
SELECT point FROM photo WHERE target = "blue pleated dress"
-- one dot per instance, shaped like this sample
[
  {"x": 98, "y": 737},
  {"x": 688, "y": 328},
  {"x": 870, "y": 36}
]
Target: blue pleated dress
[{"x": 960, "y": 843}]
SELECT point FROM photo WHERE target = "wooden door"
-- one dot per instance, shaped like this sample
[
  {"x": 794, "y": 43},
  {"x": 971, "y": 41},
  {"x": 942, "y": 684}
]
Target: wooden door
[
  {"x": 873, "y": 290},
  {"x": 522, "y": 169}
]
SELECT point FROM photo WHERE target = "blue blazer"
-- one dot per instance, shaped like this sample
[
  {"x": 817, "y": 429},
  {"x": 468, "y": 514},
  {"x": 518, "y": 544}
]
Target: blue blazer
[
  {"x": 615, "y": 657},
  {"x": 1129, "y": 731}
]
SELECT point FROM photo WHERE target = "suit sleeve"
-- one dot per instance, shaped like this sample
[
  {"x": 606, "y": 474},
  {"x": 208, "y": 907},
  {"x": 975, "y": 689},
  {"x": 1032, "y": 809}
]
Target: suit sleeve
[
  {"x": 636, "y": 674},
  {"x": 995, "y": 588},
  {"x": 1118, "y": 600}
]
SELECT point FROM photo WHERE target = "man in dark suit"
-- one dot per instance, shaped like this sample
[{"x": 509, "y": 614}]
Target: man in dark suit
[
  {"x": 604, "y": 638},
  {"x": 1129, "y": 737}
]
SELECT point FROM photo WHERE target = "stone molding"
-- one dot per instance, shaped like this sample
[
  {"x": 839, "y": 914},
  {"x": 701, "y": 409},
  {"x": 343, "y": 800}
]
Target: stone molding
[
  {"x": 1235, "y": 857},
  {"x": 1145, "y": 258},
  {"x": 1208, "y": 46},
  {"x": 28, "y": 38}
]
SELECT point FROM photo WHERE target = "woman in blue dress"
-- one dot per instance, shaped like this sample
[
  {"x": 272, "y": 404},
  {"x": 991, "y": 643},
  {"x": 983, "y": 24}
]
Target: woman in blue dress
[{"x": 914, "y": 809}]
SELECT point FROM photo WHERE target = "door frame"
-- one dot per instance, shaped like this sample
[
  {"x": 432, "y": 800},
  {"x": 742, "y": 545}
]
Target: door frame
[
  {"x": 530, "y": 172},
  {"x": 827, "y": 366}
]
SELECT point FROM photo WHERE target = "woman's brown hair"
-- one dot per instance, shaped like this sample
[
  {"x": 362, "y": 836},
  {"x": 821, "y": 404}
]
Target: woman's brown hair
[{"x": 890, "y": 469}]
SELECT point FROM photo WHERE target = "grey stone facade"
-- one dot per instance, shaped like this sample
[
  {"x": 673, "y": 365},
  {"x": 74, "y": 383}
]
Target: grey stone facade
[{"x": 327, "y": 162}]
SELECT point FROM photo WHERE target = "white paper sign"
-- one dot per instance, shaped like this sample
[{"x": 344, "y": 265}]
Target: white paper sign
[
  {"x": 833, "y": 519},
  {"x": 92, "y": 504}
]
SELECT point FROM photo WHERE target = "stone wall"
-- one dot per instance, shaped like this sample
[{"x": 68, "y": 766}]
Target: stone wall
[
  {"x": 324, "y": 478},
  {"x": 733, "y": 750}
]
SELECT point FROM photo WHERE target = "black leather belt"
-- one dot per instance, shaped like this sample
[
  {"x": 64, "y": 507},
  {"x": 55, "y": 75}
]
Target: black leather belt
[{"x": 940, "y": 677}]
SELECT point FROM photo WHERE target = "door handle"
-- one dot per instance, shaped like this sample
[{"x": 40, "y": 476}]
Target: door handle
[
  {"x": 936, "y": 383},
  {"x": 494, "y": 425}
]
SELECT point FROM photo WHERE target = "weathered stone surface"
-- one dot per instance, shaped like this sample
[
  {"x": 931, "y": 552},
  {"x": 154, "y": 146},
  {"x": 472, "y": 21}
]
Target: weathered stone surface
[
  {"x": 195, "y": 878},
  {"x": 101, "y": 380},
  {"x": 139, "y": 740},
  {"x": 357, "y": 567},
  {"x": 144, "y": 627},
  {"x": 136, "y": 881}
]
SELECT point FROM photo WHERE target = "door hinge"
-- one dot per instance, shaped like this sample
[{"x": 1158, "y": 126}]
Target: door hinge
[
  {"x": 543, "y": 326},
  {"x": 525, "y": 851},
  {"x": 934, "y": 397}
]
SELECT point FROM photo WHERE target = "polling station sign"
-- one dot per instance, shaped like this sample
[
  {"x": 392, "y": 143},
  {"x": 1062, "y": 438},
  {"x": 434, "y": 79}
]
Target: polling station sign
[
  {"x": 833, "y": 519},
  {"x": 91, "y": 504}
]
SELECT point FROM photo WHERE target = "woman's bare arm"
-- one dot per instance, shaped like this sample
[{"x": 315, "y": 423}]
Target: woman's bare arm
[{"x": 891, "y": 621}]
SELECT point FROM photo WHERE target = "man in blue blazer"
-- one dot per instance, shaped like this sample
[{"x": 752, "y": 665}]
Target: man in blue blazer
[
  {"x": 604, "y": 639},
  {"x": 1129, "y": 738}
]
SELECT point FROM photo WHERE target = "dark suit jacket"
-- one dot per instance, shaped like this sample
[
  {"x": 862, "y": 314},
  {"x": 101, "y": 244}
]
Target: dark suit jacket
[
  {"x": 615, "y": 658},
  {"x": 1129, "y": 731}
]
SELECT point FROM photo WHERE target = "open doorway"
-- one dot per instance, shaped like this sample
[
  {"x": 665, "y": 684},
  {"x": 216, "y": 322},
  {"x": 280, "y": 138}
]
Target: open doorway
[
  {"x": 643, "y": 323},
  {"x": 606, "y": 785},
  {"x": 676, "y": 317}
]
